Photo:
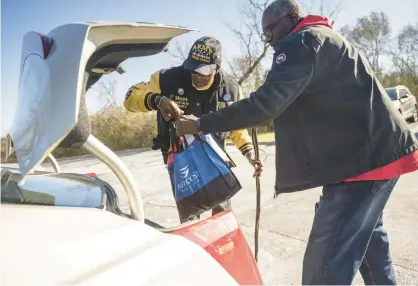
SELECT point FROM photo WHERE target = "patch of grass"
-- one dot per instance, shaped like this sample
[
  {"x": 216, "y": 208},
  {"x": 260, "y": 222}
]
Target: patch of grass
[{"x": 266, "y": 137}]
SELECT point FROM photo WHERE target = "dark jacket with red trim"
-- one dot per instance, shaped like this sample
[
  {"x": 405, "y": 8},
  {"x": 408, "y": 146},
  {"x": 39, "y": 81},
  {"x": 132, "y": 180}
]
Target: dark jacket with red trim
[{"x": 333, "y": 119}]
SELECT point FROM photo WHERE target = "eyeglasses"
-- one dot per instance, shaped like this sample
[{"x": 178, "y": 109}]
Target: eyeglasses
[{"x": 267, "y": 34}]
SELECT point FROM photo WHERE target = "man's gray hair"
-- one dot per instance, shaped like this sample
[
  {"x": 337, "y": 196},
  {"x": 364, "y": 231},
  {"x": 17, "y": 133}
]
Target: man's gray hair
[{"x": 281, "y": 8}]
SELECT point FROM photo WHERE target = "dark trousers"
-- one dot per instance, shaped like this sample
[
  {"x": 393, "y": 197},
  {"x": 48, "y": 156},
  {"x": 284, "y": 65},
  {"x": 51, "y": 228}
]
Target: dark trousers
[
  {"x": 185, "y": 218},
  {"x": 347, "y": 236}
]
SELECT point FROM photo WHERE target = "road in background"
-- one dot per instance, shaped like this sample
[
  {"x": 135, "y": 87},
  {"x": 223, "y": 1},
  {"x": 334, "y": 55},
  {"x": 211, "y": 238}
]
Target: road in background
[{"x": 285, "y": 221}]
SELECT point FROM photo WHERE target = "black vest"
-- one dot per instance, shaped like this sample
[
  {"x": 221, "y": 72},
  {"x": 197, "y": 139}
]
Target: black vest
[{"x": 176, "y": 84}]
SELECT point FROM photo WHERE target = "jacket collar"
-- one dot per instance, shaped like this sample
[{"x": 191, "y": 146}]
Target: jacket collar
[
  {"x": 308, "y": 21},
  {"x": 311, "y": 20}
]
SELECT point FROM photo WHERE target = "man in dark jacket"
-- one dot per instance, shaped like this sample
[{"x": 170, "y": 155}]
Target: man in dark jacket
[
  {"x": 197, "y": 87},
  {"x": 335, "y": 127}
]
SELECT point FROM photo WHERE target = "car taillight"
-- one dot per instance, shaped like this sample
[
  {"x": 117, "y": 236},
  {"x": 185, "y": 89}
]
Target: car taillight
[
  {"x": 93, "y": 175},
  {"x": 222, "y": 237}
]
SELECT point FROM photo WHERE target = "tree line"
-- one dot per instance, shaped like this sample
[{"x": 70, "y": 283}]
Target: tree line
[{"x": 394, "y": 57}]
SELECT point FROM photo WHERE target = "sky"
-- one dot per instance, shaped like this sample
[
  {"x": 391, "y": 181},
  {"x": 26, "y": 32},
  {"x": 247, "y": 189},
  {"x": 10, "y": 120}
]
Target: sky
[{"x": 208, "y": 17}]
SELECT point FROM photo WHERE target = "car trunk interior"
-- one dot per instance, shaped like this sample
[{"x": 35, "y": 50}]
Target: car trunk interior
[
  {"x": 109, "y": 58},
  {"x": 106, "y": 60}
]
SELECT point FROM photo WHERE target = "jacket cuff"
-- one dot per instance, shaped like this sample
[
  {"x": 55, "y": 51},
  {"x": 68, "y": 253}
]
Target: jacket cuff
[
  {"x": 151, "y": 101},
  {"x": 246, "y": 148}
]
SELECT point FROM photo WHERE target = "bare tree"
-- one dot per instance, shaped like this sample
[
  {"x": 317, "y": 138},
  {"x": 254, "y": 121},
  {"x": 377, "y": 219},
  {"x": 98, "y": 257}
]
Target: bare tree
[
  {"x": 250, "y": 37},
  {"x": 331, "y": 11},
  {"x": 178, "y": 50},
  {"x": 405, "y": 54},
  {"x": 239, "y": 66},
  {"x": 247, "y": 67},
  {"x": 107, "y": 94},
  {"x": 371, "y": 35}
]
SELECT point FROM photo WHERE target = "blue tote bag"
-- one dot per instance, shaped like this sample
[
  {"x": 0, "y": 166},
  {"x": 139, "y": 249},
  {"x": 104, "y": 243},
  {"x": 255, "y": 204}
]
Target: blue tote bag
[{"x": 202, "y": 179}]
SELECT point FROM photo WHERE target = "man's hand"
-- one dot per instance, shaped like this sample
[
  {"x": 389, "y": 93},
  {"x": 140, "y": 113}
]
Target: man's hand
[
  {"x": 187, "y": 124},
  {"x": 169, "y": 109},
  {"x": 258, "y": 165}
]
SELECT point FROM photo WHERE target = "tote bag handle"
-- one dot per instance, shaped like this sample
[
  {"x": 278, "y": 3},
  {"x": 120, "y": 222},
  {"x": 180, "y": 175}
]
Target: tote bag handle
[{"x": 174, "y": 143}]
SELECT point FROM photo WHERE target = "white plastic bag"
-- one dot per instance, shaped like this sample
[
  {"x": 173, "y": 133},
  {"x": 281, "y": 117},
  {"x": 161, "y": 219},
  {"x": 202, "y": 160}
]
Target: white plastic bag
[{"x": 212, "y": 143}]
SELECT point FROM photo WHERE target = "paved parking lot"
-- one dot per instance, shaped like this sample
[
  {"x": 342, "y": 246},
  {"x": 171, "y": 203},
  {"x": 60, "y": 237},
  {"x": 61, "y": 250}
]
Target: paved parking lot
[{"x": 285, "y": 221}]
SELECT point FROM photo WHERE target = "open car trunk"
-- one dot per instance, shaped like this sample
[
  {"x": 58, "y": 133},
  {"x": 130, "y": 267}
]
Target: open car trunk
[
  {"x": 57, "y": 69},
  {"x": 76, "y": 244}
]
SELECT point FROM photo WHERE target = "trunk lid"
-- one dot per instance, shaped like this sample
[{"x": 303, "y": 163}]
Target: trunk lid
[{"x": 57, "y": 69}]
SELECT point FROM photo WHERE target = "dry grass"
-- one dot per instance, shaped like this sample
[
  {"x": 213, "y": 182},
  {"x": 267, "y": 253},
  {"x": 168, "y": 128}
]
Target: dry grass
[
  {"x": 120, "y": 129},
  {"x": 266, "y": 137},
  {"x": 117, "y": 128}
]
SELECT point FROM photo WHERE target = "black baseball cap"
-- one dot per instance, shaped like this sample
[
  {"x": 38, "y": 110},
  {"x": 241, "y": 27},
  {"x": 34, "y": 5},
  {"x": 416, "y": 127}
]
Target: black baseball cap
[{"x": 204, "y": 55}]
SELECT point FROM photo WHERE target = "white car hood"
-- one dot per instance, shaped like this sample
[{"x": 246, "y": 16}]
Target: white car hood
[{"x": 44, "y": 245}]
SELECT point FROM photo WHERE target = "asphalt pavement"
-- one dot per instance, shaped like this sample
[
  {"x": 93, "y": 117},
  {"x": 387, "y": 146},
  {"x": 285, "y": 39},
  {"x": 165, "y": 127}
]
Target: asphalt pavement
[{"x": 285, "y": 221}]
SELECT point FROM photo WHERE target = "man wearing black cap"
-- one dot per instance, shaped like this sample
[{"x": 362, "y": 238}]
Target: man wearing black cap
[
  {"x": 335, "y": 127},
  {"x": 197, "y": 87}
]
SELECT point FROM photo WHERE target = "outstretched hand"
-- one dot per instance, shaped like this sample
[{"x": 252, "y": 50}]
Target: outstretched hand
[
  {"x": 169, "y": 109},
  {"x": 258, "y": 165},
  {"x": 187, "y": 124}
]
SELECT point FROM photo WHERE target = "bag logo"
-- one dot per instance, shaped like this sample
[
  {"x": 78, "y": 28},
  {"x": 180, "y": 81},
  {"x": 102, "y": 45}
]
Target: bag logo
[
  {"x": 281, "y": 58},
  {"x": 184, "y": 172},
  {"x": 188, "y": 180}
]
